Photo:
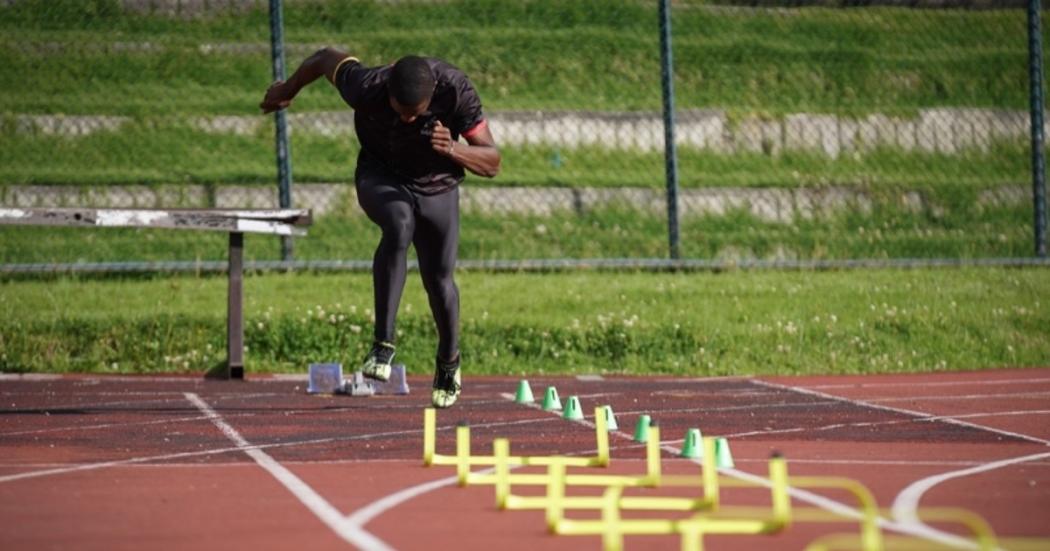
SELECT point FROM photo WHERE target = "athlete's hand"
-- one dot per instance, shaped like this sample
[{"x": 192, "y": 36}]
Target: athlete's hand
[
  {"x": 278, "y": 96},
  {"x": 441, "y": 139}
]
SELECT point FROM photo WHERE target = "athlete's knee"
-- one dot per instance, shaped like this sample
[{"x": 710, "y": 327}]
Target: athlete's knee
[
  {"x": 398, "y": 232},
  {"x": 441, "y": 283}
]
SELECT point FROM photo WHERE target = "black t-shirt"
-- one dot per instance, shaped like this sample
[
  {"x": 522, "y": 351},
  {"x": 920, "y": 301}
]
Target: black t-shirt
[{"x": 404, "y": 149}]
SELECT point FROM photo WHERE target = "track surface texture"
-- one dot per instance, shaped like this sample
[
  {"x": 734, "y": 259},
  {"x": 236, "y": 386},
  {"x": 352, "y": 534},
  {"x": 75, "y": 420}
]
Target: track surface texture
[{"x": 185, "y": 463}]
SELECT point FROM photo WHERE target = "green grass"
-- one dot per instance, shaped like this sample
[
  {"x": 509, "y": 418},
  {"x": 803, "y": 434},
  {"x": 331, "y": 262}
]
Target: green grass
[
  {"x": 733, "y": 323},
  {"x": 160, "y": 152},
  {"x": 539, "y": 54},
  {"x": 953, "y": 224},
  {"x": 86, "y": 57}
]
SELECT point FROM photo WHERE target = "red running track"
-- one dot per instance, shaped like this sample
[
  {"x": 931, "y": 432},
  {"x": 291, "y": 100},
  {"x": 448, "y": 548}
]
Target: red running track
[{"x": 184, "y": 463}]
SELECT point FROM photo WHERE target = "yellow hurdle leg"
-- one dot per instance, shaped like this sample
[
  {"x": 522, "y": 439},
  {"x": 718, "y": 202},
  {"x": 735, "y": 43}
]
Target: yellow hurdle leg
[
  {"x": 871, "y": 535},
  {"x": 612, "y": 536},
  {"x": 501, "y": 450},
  {"x": 778, "y": 477},
  {"x": 601, "y": 430},
  {"x": 692, "y": 537},
  {"x": 462, "y": 453},
  {"x": 429, "y": 435},
  {"x": 712, "y": 495},
  {"x": 555, "y": 495},
  {"x": 652, "y": 457}
]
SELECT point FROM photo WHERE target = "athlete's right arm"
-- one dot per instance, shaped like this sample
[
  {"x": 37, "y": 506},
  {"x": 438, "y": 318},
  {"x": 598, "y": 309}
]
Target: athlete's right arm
[{"x": 324, "y": 62}]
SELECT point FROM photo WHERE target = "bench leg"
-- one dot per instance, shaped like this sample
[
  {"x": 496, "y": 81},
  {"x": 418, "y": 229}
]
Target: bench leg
[{"x": 235, "y": 309}]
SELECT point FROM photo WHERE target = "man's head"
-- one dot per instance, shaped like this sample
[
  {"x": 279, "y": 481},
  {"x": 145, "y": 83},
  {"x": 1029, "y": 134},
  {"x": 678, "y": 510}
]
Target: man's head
[{"x": 411, "y": 86}]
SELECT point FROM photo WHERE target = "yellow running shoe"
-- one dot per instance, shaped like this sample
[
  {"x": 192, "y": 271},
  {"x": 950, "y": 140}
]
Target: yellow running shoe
[
  {"x": 447, "y": 383},
  {"x": 377, "y": 363}
]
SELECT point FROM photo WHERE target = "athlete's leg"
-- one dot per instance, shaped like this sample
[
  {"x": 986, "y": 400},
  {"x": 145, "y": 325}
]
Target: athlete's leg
[
  {"x": 437, "y": 242},
  {"x": 389, "y": 206}
]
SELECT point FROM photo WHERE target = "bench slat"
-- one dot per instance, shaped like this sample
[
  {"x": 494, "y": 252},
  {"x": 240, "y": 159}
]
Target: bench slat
[{"x": 268, "y": 221}]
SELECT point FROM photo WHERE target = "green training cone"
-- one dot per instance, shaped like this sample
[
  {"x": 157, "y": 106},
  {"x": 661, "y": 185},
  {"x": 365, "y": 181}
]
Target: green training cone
[
  {"x": 524, "y": 394},
  {"x": 551, "y": 402},
  {"x": 693, "y": 447},
  {"x": 573, "y": 412},
  {"x": 723, "y": 457},
  {"x": 610, "y": 419},
  {"x": 641, "y": 430}
]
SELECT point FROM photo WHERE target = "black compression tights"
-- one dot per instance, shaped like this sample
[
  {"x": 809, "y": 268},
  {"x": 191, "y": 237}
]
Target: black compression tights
[{"x": 431, "y": 223}]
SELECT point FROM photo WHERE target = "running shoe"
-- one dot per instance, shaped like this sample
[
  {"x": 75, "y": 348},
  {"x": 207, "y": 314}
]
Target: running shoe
[
  {"x": 447, "y": 383},
  {"x": 377, "y": 364}
]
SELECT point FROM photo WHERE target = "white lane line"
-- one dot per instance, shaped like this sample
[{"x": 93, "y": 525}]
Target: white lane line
[
  {"x": 979, "y": 382},
  {"x": 68, "y": 468},
  {"x": 381, "y": 506},
  {"x": 749, "y": 407},
  {"x": 109, "y": 425},
  {"x": 99, "y": 408},
  {"x": 957, "y": 397},
  {"x": 148, "y": 459},
  {"x": 362, "y": 516},
  {"x": 806, "y": 496},
  {"x": 886, "y": 423},
  {"x": 888, "y": 462},
  {"x": 920, "y": 531},
  {"x": 905, "y": 505},
  {"x": 864, "y": 404},
  {"x": 176, "y": 393},
  {"x": 324, "y": 511}
]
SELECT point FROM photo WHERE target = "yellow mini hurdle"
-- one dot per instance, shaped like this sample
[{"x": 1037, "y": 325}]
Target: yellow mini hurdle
[
  {"x": 736, "y": 520},
  {"x": 706, "y": 515},
  {"x": 556, "y": 479},
  {"x": 463, "y": 460},
  {"x": 984, "y": 538}
]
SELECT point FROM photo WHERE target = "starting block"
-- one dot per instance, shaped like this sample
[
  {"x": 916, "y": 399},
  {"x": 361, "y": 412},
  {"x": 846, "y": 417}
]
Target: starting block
[
  {"x": 325, "y": 379},
  {"x": 357, "y": 385},
  {"x": 328, "y": 379}
]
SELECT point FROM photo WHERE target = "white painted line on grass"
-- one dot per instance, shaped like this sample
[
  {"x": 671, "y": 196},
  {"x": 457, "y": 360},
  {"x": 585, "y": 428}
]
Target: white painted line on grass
[
  {"x": 29, "y": 376},
  {"x": 313, "y": 501}
]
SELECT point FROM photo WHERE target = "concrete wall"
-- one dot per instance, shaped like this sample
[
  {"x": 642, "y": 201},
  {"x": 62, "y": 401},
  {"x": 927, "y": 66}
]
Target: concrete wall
[
  {"x": 768, "y": 204},
  {"x": 941, "y": 130}
]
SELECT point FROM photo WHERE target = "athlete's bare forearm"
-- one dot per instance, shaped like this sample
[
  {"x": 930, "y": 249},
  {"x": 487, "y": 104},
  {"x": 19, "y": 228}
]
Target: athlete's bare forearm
[
  {"x": 324, "y": 62},
  {"x": 479, "y": 155},
  {"x": 483, "y": 160}
]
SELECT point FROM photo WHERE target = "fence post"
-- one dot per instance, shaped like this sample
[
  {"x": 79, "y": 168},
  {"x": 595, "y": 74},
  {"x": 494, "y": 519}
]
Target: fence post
[
  {"x": 1035, "y": 81},
  {"x": 670, "y": 151},
  {"x": 284, "y": 154}
]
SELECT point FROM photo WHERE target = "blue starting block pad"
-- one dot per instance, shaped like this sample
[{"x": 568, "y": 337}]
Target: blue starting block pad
[
  {"x": 328, "y": 379},
  {"x": 325, "y": 379}
]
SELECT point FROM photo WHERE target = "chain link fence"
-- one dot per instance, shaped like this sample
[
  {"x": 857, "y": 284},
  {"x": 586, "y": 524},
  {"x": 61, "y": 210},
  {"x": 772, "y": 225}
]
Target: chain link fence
[{"x": 805, "y": 131}]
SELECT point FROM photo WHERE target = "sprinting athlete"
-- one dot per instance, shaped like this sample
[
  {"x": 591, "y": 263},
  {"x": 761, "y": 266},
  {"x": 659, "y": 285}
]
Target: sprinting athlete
[{"x": 409, "y": 118}]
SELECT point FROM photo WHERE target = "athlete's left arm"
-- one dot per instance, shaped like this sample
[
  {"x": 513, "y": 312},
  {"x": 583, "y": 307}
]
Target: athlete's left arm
[{"x": 479, "y": 155}]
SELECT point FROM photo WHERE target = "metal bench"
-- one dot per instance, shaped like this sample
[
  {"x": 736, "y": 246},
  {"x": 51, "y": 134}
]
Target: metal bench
[{"x": 235, "y": 222}]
